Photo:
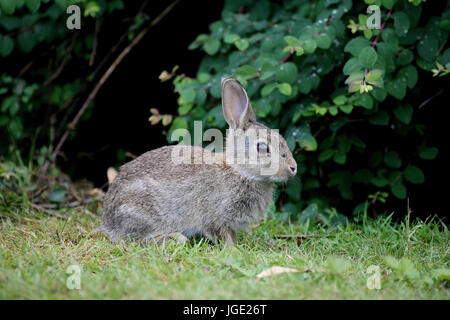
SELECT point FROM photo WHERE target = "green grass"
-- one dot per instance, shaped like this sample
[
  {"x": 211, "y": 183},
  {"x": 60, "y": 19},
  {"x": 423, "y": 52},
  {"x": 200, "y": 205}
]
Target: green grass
[{"x": 36, "y": 250}]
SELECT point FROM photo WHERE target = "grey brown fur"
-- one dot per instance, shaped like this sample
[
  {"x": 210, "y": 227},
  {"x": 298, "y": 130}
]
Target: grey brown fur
[{"x": 152, "y": 197}]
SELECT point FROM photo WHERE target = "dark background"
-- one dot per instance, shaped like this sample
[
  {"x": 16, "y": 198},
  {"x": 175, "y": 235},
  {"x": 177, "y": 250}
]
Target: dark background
[{"x": 119, "y": 119}]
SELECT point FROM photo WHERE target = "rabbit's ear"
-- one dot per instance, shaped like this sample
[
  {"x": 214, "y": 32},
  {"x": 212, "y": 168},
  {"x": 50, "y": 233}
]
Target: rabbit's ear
[{"x": 236, "y": 108}]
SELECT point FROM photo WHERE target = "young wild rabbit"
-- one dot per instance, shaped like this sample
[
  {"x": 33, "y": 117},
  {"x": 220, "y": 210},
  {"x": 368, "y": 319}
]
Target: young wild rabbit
[{"x": 153, "y": 198}]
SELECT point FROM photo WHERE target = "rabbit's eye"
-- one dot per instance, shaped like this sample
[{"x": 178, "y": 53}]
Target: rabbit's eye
[
  {"x": 283, "y": 155},
  {"x": 262, "y": 147}
]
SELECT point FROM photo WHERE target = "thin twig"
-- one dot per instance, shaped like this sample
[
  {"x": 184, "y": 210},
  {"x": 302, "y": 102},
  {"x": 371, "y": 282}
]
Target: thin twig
[
  {"x": 441, "y": 91},
  {"x": 67, "y": 55},
  {"x": 374, "y": 43},
  {"x": 49, "y": 212},
  {"x": 72, "y": 204},
  {"x": 94, "y": 45},
  {"x": 23, "y": 29}
]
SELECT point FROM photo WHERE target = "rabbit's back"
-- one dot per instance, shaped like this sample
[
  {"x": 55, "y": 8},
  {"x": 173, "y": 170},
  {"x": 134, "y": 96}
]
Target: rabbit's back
[{"x": 152, "y": 196}]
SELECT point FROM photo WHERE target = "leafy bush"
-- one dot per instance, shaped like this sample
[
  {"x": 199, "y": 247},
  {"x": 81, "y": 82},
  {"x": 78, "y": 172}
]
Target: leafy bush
[{"x": 343, "y": 95}]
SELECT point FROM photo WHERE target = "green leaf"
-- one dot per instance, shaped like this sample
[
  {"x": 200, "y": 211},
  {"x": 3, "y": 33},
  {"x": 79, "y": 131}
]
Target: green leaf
[
  {"x": 356, "y": 45},
  {"x": 287, "y": 72},
  {"x": 388, "y": 3},
  {"x": 367, "y": 57},
  {"x": 364, "y": 100},
  {"x": 340, "y": 100},
  {"x": 323, "y": 41},
  {"x": 355, "y": 76},
  {"x": 8, "y": 6},
  {"x": 285, "y": 88},
  {"x": 291, "y": 41},
  {"x": 428, "y": 153},
  {"x": 333, "y": 111},
  {"x": 268, "y": 88},
  {"x": 404, "y": 113},
  {"x": 201, "y": 39},
  {"x": 231, "y": 38},
  {"x": 399, "y": 190},
  {"x": 409, "y": 76},
  {"x": 390, "y": 38},
  {"x": 203, "y": 77},
  {"x": 325, "y": 155},
  {"x": 33, "y": 5},
  {"x": 246, "y": 71},
  {"x": 428, "y": 47},
  {"x": 26, "y": 41},
  {"x": 6, "y": 46},
  {"x": 310, "y": 46},
  {"x": 184, "y": 109},
  {"x": 340, "y": 158},
  {"x": 304, "y": 85},
  {"x": 386, "y": 52},
  {"x": 307, "y": 141},
  {"x": 413, "y": 174},
  {"x": 396, "y": 88},
  {"x": 179, "y": 123},
  {"x": 299, "y": 51},
  {"x": 92, "y": 9},
  {"x": 392, "y": 159},
  {"x": 352, "y": 66},
  {"x": 263, "y": 109},
  {"x": 347, "y": 108},
  {"x": 242, "y": 44},
  {"x": 8, "y": 103},
  {"x": 188, "y": 95},
  {"x": 379, "y": 94},
  {"x": 211, "y": 46},
  {"x": 374, "y": 76},
  {"x": 405, "y": 57},
  {"x": 367, "y": 33},
  {"x": 444, "y": 24},
  {"x": 401, "y": 23},
  {"x": 266, "y": 75}
]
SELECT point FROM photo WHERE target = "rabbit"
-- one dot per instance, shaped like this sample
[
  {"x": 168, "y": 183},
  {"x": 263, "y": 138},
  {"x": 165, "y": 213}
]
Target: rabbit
[{"x": 153, "y": 198}]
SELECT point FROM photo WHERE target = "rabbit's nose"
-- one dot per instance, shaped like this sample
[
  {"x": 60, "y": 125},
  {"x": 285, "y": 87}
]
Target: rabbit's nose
[{"x": 293, "y": 169}]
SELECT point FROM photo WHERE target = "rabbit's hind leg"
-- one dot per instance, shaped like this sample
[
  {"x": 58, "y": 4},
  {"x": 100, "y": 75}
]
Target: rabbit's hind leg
[
  {"x": 226, "y": 235},
  {"x": 127, "y": 222}
]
